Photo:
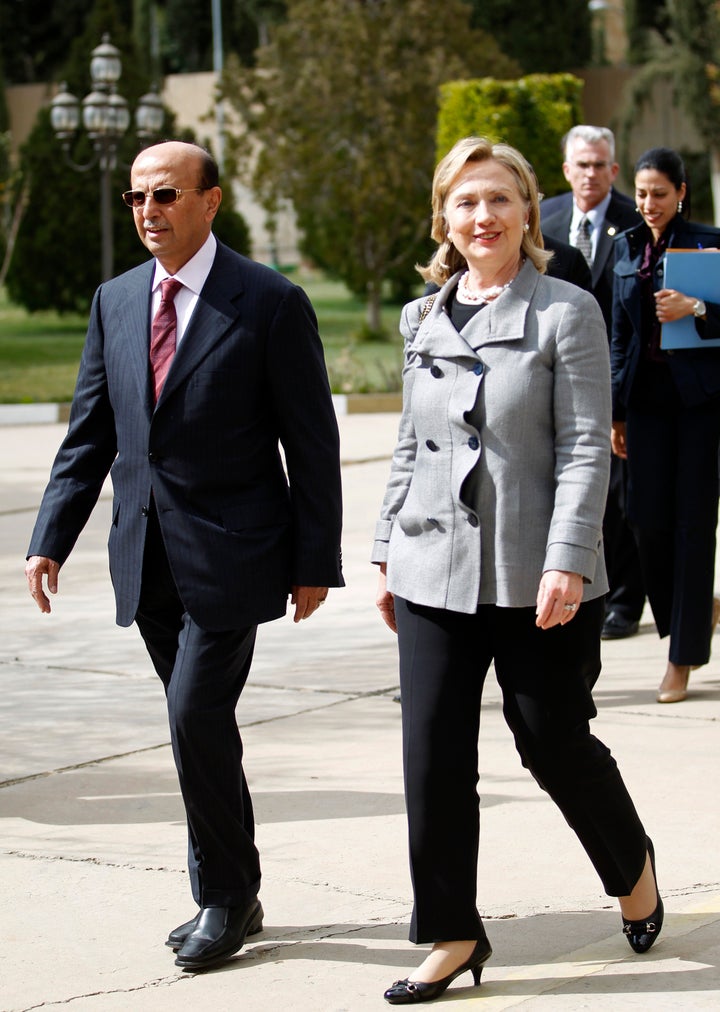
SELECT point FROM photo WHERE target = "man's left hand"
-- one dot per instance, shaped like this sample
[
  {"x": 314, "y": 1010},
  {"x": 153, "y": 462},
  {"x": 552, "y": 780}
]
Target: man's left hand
[{"x": 307, "y": 600}]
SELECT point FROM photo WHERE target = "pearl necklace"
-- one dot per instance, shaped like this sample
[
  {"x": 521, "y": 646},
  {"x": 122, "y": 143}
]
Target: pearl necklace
[{"x": 485, "y": 295}]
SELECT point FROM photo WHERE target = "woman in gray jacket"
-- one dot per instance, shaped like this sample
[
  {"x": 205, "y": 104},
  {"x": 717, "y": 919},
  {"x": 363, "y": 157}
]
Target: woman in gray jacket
[{"x": 490, "y": 549}]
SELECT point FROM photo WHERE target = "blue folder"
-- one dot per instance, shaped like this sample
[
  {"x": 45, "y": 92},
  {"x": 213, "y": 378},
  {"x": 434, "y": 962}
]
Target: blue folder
[{"x": 695, "y": 273}]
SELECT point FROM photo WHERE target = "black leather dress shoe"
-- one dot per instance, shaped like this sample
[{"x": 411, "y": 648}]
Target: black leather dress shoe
[
  {"x": 615, "y": 627},
  {"x": 219, "y": 933},
  {"x": 178, "y": 935}
]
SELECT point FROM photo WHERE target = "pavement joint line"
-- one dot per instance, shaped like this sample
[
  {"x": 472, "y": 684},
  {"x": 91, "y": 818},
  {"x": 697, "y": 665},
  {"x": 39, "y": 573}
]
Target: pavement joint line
[
  {"x": 127, "y": 676},
  {"x": 347, "y": 698},
  {"x": 24, "y": 855},
  {"x": 665, "y": 715},
  {"x": 80, "y": 766},
  {"x": 159, "y": 982}
]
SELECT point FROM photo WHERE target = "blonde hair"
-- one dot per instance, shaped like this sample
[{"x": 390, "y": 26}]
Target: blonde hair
[{"x": 446, "y": 260}]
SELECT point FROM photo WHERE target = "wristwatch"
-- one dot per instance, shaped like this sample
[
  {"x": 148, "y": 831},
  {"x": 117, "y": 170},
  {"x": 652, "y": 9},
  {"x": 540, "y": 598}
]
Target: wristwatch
[{"x": 699, "y": 308}]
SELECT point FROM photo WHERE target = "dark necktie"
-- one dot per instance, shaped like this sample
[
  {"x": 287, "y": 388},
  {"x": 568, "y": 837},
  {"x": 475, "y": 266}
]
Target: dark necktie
[
  {"x": 163, "y": 335},
  {"x": 583, "y": 241}
]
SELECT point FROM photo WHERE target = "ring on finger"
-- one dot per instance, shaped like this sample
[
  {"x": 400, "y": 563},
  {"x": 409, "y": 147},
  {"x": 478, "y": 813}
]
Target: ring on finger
[{"x": 569, "y": 607}]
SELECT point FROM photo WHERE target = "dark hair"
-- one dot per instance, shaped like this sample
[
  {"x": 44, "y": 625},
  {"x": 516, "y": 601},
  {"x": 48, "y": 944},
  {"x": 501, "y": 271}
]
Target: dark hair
[
  {"x": 209, "y": 172},
  {"x": 670, "y": 163}
]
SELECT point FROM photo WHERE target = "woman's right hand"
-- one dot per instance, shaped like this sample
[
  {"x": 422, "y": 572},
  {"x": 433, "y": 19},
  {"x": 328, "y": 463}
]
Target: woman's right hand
[
  {"x": 618, "y": 439},
  {"x": 385, "y": 600}
]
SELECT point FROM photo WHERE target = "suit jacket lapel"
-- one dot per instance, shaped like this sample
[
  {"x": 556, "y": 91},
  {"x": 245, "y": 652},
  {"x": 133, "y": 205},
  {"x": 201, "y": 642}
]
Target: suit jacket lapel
[
  {"x": 603, "y": 250},
  {"x": 133, "y": 326},
  {"x": 212, "y": 317}
]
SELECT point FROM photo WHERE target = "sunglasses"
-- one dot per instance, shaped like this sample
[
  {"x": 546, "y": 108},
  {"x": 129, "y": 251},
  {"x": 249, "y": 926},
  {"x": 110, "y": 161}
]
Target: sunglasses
[{"x": 163, "y": 195}]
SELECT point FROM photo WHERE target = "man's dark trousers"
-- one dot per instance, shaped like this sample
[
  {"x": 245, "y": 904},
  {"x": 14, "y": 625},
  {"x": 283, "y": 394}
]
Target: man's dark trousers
[{"x": 203, "y": 673}]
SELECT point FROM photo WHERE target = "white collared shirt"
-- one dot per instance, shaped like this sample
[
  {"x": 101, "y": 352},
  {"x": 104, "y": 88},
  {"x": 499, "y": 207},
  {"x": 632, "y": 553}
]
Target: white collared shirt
[
  {"x": 193, "y": 276},
  {"x": 595, "y": 216}
]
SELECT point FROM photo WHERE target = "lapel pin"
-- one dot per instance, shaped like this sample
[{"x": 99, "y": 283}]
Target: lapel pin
[{"x": 612, "y": 230}]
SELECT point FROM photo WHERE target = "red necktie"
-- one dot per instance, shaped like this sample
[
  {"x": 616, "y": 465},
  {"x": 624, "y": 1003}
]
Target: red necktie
[{"x": 163, "y": 336}]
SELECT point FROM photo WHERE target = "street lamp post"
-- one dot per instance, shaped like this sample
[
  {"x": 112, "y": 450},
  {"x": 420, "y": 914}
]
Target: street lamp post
[{"x": 106, "y": 118}]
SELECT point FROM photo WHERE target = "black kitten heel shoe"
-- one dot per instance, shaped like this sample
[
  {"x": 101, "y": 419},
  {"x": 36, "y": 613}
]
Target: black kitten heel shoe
[
  {"x": 642, "y": 934},
  {"x": 407, "y": 992}
]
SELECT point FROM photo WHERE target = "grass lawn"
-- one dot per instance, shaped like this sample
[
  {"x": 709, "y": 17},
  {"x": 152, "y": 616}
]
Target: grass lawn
[{"x": 40, "y": 352}]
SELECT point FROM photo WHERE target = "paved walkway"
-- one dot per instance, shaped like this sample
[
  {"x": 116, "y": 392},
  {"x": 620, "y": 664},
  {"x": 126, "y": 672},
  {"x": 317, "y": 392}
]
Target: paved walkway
[{"x": 91, "y": 825}]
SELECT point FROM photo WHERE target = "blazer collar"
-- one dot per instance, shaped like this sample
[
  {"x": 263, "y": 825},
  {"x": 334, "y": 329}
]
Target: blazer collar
[{"x": 501, "y": 320}]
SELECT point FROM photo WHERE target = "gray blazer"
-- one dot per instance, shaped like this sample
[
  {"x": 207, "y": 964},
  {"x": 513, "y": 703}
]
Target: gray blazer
[{"x": 501, "y": 466}]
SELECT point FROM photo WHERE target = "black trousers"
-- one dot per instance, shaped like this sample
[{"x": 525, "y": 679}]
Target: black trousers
[
  {"x": 626, "y": 596},
  {"x": 673, "y": 506},
  {"x": 203, "y": 674},
  {"x": 546, "y": 677}
]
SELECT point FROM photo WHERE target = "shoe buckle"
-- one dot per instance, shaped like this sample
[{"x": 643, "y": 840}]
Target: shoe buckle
[
  {"x": 637, "y": 928},
  {"x": 411, "y": 987}
]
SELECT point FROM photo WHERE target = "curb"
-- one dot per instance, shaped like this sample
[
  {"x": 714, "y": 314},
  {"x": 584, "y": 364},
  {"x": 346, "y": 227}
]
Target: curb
[
  {"x": 33, "y": 414},
  {"x": 52, "y": 414}
]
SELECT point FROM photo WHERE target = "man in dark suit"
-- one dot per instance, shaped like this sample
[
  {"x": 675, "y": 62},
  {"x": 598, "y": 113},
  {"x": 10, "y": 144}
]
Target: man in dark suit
[
  {"x": 589, "y": 217},
  {"x": 209, "y": 536}
]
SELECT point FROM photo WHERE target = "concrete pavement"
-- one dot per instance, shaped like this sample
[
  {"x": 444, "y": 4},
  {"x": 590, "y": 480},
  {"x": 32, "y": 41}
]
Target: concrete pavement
[{"x": 92, "y": 837}]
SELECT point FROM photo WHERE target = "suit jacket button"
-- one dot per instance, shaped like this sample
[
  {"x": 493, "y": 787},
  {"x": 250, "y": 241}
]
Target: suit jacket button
[
  {"x": 431, "y": 445},
  {"x": 145, "y": 511},
  {"x": 473, "y": 520},
  {"x": 478, "y": 368},
  {"x": 436, "y": 371},
  {"x": 473, "y": 442},
  {"x": 152, "y": 457}
]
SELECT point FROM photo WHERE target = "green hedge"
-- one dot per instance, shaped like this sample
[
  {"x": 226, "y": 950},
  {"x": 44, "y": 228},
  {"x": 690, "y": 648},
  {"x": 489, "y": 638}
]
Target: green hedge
[{"x": 532, "y": 113}]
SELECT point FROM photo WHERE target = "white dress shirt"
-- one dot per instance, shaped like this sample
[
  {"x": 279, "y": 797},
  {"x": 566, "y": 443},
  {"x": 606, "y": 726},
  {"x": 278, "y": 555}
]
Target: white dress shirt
[{"x": 193, "y": 276}]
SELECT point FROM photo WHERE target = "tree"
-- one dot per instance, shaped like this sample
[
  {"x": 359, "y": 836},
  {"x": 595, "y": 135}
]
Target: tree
[
  {"x": 687, "y": 54},
  {"x": 186, "y": 30},
  {"x": 533, "y": 114},
  {"x": 544, "y": 36},
  {"x": 340, "y": 116},
  {"x": 35, "y": 35},
  {"x": 5, "y": 211},
  {"x": 61, "y": 224},
  {"x": 642, "y": 17}
]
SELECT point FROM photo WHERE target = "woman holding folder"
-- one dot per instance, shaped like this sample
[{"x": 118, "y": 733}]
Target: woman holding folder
[{"x": 666, "y": 417}]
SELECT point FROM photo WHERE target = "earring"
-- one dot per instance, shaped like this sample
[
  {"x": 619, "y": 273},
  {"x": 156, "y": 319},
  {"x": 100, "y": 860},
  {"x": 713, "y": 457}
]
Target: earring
[
  {"x": 637, "y": 209},
  {"x": 679, "y": 207},
  {"x": 526, "y": 227}
]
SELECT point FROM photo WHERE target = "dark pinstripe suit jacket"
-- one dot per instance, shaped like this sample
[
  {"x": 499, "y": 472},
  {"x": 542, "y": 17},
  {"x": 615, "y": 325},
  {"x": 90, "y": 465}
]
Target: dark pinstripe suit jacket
[{"x": 249, "y": 374}]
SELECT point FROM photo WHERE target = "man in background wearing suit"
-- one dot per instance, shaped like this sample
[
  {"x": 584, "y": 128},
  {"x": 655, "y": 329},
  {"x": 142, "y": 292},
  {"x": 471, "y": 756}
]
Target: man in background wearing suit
[
  {"x": 197, "y": 366},
  {"x": 589, "y": 217}
]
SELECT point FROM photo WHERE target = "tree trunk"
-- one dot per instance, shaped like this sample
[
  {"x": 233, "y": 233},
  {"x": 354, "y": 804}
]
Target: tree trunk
[
  {"x": 14, "y": 229},
  {"x": 374, "y": 320},
  {"x": 715, "y": 181}
]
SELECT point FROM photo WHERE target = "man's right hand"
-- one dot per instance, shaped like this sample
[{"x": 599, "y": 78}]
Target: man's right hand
[{"x": 38, "y": 566}]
